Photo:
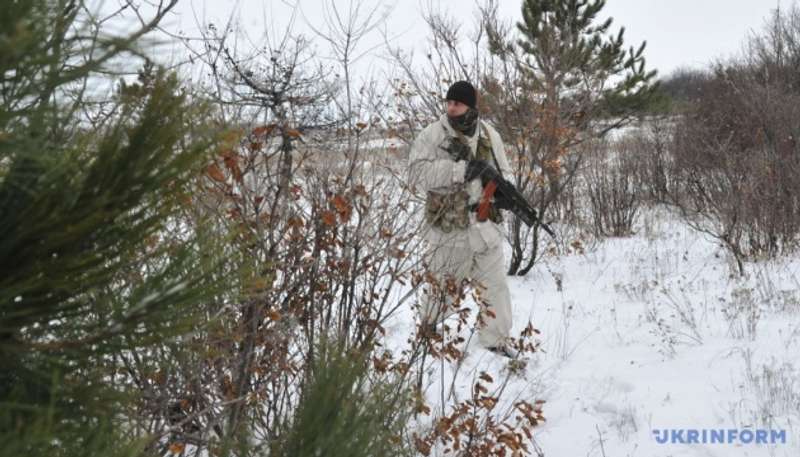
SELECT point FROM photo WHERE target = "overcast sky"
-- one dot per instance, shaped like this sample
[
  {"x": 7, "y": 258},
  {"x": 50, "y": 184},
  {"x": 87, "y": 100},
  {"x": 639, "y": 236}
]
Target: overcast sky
[{"x": 679, "y": 33}]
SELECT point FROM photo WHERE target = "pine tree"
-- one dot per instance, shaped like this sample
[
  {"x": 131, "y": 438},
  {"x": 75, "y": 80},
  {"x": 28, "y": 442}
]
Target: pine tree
[
  {"x": 346, "y": 410},
  {"x": 566, "y": 79},
  {"x": 87, "y": 266},
  {"x": 567, "y": 50}
]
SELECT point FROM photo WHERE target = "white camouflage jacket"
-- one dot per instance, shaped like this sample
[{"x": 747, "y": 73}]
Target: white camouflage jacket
[{"x": 431, "y": 166}]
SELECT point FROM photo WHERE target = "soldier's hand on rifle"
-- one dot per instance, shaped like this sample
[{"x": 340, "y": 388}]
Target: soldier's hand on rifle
[{"x": 479, "y": 168}]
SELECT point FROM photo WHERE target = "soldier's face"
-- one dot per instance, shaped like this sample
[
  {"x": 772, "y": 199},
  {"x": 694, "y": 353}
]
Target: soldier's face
[{"x": 455, "y": 108}]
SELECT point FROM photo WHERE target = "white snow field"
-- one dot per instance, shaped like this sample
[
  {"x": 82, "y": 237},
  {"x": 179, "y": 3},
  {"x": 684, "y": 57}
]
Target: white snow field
[{"x": 650, "y": 332}]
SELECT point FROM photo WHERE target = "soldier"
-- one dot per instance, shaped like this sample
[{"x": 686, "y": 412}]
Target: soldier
[{"x": 447, "y": 162}]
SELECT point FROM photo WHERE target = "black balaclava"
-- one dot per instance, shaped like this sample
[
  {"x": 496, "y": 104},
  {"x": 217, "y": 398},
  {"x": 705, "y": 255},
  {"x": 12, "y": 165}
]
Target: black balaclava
[{"x": 465, "y": 93}]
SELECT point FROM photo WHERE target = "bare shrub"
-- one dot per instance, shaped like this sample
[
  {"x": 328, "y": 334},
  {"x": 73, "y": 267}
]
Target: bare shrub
[
  {"x": 316, "y": 248},
  {"x": 734, "y": 150},
  {"x": 737, "y": 180},
  {"x": 652, "y": 155},
  {"x": 742, "y": 313},
  {"x": 489, "y": 421},
  {"x": 775, "y": 389},
  {"x": 674, "y": 319},
  {"x": 611, "y": 186}
]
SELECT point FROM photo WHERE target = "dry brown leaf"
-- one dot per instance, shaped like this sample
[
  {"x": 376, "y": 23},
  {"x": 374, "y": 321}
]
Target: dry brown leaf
[
  {"x": 295, "y": 222},
  {"x": 329, "y": 218},
  {"x": 215, "y": 173},
  {"x": 342, "y": 206},
  {"x": 263, "y": 130}
]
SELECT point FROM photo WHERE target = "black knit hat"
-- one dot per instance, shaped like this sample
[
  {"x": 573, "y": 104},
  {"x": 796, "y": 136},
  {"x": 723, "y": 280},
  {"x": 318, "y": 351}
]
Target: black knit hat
[{"x": 462, "y": 91}]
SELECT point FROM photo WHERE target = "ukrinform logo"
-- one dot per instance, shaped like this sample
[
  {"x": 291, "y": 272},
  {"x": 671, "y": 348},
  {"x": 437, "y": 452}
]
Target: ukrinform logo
[{"x": 719, "y": 436}]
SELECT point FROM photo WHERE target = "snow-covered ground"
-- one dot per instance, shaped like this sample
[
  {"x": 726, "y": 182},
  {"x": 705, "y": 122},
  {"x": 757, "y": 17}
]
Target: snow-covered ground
[{"x": 647, "y": 333}]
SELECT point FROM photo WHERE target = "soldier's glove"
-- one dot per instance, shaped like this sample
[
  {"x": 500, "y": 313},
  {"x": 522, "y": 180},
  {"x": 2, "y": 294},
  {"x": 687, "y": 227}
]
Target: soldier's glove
[
  {"x": 458, "y": 150},
  {"x": 479, "y": 168}
]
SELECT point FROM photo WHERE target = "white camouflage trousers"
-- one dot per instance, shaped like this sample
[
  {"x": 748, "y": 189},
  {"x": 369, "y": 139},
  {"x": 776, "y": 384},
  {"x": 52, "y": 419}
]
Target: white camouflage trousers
[{"x": 464, "y": 256}]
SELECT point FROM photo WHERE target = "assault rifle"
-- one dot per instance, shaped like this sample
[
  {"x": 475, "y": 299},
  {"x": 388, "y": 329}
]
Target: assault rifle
[{"x": 498, "y": 187}]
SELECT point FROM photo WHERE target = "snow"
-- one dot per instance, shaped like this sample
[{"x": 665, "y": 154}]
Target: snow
[
  {"x": 655, "y": 331},
  {"x": 381, "y": 143}
]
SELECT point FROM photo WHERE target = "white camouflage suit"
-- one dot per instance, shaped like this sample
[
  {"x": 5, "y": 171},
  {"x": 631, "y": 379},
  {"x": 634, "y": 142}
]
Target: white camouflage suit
[{"x": 475, "y": 252}]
